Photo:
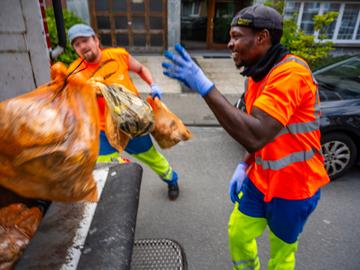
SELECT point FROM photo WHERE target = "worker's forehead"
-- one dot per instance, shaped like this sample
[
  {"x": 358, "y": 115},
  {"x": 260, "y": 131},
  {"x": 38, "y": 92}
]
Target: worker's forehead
[
  {"x": 81, "y": 38},
  {"x": 241, "y": 30}
]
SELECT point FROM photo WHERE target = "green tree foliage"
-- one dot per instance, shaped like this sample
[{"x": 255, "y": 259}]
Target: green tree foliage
[
  {"x": 69, "y": 20},
  {"x": 276, "y": 4},
  {"x": 305, "y": 45}
]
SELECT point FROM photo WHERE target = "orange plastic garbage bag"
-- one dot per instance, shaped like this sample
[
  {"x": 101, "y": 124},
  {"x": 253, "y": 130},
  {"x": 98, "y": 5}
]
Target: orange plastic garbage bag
[
  {"x": 169, "y": 129},
  {"x": 18, "y": 224},
  {"x": 49, "y": 140}
]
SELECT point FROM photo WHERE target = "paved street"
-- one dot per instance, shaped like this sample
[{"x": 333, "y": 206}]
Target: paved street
[
  {"x": 198, "y": 219},
  {"x": 221, "y": 70}
]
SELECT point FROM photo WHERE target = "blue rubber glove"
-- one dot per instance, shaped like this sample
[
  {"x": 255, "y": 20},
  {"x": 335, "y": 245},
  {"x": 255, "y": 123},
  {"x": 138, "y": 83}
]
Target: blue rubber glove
[
  {"x": 236, "y": 181},
  {"x": 155, "y": 91},
  {"x": 184, "y": 69}
]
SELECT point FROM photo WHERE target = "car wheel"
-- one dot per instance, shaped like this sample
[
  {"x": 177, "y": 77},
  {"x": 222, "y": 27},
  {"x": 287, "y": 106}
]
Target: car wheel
[{"x": 340, "y": 153}]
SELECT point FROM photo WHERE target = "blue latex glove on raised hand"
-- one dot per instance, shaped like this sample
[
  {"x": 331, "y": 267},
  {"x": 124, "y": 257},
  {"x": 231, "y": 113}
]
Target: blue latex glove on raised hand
[
  {"x": 237, "y": 180},
  {"x": 184, "y": 69},
  {"x": 155, "y": 91}
]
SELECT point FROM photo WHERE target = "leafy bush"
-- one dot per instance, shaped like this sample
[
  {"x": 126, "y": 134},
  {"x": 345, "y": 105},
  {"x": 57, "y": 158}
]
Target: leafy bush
[
  {"x": 304, "y": 45},
  {"x": 69, "y": 20}
]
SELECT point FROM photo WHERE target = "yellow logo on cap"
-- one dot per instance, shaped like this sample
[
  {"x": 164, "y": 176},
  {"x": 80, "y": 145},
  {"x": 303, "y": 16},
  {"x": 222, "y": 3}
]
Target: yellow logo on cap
[{"x": 245, "y": 22}]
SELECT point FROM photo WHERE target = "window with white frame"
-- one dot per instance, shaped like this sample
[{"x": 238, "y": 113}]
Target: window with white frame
[
  {"x": 292, "y": 10},
  {"x": 330, "y": 7},
  {"x": 307, "y": 20},
  {"x": 348, "y": 21},
  {"x": 345, "y": 28}
]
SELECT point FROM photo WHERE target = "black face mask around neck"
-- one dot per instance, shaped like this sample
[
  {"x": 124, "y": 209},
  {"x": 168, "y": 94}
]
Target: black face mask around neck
[{"x": 273, "y": 56}]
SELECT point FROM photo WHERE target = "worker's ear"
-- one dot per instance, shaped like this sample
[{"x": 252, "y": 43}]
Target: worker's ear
[{"x": 262, "y": 37}]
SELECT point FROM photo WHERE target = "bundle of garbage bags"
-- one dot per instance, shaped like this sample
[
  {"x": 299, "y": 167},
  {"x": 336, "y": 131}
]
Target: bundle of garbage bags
[
  {"x": 49, "y": 144},
  {"x": 132, "y": 116},
  {"x": 49, "y": 137}
]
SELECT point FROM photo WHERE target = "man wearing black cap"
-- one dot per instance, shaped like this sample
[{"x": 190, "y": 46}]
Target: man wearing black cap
[{"x": 278, "y": 183}]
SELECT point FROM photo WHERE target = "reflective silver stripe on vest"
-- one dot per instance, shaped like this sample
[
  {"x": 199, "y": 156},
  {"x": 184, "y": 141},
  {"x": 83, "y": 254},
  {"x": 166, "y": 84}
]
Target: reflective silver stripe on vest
[
  {"x": 297, "y": 128},
  {"x": 286, "y": 161},
  {"x": 247, "y": 264},
  {"x": 317, "y": 105},
  {"x": 297, "y": 60}
]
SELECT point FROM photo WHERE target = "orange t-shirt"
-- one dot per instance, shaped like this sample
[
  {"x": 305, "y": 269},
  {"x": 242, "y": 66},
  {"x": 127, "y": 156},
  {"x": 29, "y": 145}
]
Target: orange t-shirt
[
  {"x": 288, "y": 94},
  {"x": 114, "y": 64}
]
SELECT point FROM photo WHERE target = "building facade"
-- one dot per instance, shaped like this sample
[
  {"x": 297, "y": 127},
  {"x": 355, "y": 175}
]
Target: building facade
[
  {"x": 155, "y": 25},
  {"x": 344, "y": 31}
]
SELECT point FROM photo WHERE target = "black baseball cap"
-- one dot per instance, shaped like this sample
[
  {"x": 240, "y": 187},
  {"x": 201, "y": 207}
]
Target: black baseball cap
[{"x": 258, "y": 17}]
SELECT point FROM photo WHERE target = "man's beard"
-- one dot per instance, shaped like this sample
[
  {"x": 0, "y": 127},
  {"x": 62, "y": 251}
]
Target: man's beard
[
  {"x": 90, "y": 57},
  {"x": 240, "y": 66},
  {"x": 238, "y": 63}
]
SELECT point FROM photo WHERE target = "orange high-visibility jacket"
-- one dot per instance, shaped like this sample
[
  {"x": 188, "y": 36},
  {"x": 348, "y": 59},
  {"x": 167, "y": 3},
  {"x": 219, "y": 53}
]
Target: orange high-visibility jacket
[
  {"x": 114, "y": 62},
  {"x": 291, "y": 166}
]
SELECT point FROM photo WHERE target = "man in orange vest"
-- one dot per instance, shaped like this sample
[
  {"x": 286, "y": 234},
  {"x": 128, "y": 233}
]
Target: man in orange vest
[
  {"x": 93, "y": 59},
  {"x": 278, "y": 183}
]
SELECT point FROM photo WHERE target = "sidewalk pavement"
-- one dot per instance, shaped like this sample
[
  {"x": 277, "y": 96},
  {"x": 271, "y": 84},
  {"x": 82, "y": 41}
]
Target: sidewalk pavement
[
  {"x": 220, "y": 69},
  {"x": 188, "y": 105}
]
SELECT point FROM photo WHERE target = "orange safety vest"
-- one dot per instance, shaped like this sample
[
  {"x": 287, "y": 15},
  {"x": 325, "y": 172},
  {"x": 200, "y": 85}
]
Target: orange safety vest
[
  {"x": 291, "y": 166},
  {"x": 114, "y": 62}
]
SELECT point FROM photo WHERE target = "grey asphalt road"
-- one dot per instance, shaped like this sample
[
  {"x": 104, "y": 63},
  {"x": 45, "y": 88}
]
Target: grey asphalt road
[{"x": 198, "y": 219}]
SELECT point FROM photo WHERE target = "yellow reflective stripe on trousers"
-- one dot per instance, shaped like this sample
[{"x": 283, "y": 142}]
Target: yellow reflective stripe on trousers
[
  {"x": 286, "y": 161},
  {"x": 167, "y": 174},
  {"x": 157, "y": 162},
  {"x": 245, "y": 264},
  {"x": 108, "y": 158}
]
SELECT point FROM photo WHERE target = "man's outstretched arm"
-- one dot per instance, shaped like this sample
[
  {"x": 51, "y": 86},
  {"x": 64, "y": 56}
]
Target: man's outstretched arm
[
  {"x": 141, "y": 70},
  {"x": 145, "y": 74},
  {"x": 252, "y": 131}
]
